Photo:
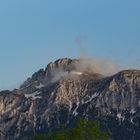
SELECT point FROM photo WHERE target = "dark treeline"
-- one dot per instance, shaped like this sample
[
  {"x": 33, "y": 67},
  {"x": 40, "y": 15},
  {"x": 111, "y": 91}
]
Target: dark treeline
[{"x": 84, "y": 130}]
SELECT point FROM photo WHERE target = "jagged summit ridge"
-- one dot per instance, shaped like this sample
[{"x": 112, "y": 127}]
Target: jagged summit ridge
[
  {"x": 54, "y": 71},
  {"x": 44, "y": 76}
]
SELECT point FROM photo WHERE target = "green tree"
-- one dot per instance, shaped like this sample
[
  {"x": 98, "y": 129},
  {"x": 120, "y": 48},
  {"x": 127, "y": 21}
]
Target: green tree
[
  {"x": 84, "y": 130},
  {"x": 89, "y": 130}
]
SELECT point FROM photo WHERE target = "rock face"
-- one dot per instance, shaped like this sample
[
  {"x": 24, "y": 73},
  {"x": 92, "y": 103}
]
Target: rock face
[{"x": 61, "y": 93}]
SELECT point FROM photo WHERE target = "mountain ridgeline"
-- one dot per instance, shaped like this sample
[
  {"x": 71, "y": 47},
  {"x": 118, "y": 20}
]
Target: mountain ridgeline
[{"x": 65, "y": 91}]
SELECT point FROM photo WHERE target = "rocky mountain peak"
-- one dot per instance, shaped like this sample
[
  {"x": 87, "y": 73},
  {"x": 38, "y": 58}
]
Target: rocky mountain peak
[
  {"x": 56, "y": 70},
  {"x": 45, "y": 76},
  {"x": 66, "y": 90}
]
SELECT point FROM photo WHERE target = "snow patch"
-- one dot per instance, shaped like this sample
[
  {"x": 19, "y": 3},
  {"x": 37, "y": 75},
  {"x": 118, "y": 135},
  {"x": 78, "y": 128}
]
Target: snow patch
[
  {"x": 131, "y": 120},
  {"x": 52, "y": 94},
  {"x": 33, "y": 96},
  {"x": 40, "y": 86},
  {"x": 92, "y": 97},
  {"x": 133, "y": 111},
  {"x": 75, "y": 113},
  {"x": 76, "y": 73},
  {"x": 70, "y": 106},
  {"x": 120, "y": 117}
]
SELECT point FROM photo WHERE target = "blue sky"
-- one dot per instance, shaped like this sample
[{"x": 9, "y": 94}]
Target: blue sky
[{"x": 35, "y": 32}]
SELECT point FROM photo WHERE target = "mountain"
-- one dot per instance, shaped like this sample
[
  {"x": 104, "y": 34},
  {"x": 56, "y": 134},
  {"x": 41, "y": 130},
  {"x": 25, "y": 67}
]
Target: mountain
[{"x": 65, "y": 91}]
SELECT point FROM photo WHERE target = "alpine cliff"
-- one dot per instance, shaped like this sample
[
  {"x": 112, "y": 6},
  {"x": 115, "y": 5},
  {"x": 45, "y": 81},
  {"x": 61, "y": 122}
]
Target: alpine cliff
[{"x": 65, "y": 91}]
